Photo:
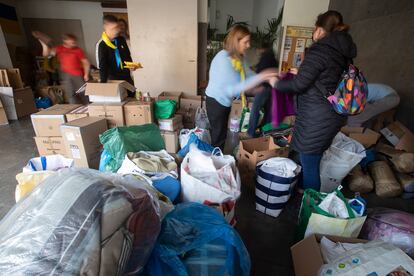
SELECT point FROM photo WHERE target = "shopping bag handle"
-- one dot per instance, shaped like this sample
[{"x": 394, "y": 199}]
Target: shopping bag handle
[
  {"x": 217, "y": 152},
  {"x": 43, "y": 161}
]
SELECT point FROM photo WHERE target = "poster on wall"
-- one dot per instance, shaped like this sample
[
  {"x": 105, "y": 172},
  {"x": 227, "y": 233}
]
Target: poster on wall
[{"x": 295, "y": 41}]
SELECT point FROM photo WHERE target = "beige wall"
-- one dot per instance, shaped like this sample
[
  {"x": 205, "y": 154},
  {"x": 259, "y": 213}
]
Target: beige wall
[
  {"x": 303, "y": 12},
  {"x": 164, "y": 40}
]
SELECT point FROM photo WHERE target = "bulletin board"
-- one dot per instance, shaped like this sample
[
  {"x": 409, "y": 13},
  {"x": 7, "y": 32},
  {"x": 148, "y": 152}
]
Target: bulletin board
[{"x": 295, "y": 40}]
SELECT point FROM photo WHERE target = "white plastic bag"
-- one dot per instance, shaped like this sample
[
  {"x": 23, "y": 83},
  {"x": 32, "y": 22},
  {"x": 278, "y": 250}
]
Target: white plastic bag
[
  {"x": 373, "y": 258},
  {"x": 211, "y": 178},
  {"x": 334, "y": 206},
  {"x": 201, "y": 119},
  {"x": 37, "y": 170},
  {"x": 48, "y": 163},
  {"x": 202, "y": 134},
  {"x": 337, "y": 161}
]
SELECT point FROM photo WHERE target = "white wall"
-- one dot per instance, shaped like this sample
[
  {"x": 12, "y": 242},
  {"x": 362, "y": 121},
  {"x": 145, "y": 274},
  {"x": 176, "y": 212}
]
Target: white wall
[
  {"x": 90, "y": 14},
  {"x": 202, "y": 8},
  {"x": 5, "y": 61},
  {"x": 303, "y": 12},
  {"x": 164, "y": 40}
]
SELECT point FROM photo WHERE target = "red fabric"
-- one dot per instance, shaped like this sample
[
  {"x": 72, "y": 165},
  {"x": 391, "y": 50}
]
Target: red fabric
[{"x": 70, "y": 60}]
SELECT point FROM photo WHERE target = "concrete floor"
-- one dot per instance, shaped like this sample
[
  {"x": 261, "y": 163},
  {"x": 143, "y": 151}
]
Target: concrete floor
[{"x": 267, "y": 239}]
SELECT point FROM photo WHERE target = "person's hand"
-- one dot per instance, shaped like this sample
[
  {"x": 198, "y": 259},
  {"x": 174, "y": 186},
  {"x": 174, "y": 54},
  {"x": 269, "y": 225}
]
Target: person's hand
[
  {"x": 86, "y": 78},
  {"x": 36, "y": 34},
  {"x": 265, "y": 75},
  {"x": 293, "y": 71}
]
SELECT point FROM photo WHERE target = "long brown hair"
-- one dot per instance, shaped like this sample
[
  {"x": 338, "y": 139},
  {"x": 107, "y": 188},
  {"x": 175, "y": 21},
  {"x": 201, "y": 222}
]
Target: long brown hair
[
  {"x": 233, "y": 37},
  {"x": 331, "y": 21}
]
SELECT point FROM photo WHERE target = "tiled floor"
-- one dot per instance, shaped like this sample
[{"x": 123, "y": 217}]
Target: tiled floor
[{"x": 267, "y": 239}]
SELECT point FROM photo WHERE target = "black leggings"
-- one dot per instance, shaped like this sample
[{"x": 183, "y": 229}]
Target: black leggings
[{"x": 218, "y": 115}]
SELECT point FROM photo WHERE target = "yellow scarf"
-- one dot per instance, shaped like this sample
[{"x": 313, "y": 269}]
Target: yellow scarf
[
  {"x": 238, "y": 66},
  {"x": 109, "y": 43}
]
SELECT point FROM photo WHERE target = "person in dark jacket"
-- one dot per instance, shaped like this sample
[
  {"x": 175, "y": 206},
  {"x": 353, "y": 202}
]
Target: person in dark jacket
[
  {"x": 112, "y": 52},
  {"x": 263, "y": 99},
  {"x": 317, "y": 123}
]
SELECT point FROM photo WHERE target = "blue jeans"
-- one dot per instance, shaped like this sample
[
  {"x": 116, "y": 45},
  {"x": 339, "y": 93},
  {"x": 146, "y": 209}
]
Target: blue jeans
[{"x": 310, "y": 171}]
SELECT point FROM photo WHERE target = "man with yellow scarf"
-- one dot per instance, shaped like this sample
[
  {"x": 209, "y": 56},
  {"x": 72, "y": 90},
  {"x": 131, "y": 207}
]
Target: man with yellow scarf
[{"x": 112, "y": 53}]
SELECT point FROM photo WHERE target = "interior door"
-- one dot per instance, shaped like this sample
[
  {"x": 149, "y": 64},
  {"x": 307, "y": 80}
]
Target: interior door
[{"x": 164, "y": 39}]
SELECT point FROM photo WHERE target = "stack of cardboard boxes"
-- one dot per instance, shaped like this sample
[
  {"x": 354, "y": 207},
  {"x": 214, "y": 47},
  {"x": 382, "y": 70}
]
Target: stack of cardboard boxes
[
  {"x": 46, "y": 124},
  {"x": 17, "y": 100},
  {"x": 77, "y": 139},
  {"x": 170, "y": 128},
  {"x": 108, "y": 100}
]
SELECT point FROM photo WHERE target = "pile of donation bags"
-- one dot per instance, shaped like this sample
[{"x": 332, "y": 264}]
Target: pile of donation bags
[{"x": 132, "y": 226}]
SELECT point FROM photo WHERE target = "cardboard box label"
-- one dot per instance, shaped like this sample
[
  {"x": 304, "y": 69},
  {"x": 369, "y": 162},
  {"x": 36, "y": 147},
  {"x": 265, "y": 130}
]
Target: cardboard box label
[{"x": 75, "y": 152}]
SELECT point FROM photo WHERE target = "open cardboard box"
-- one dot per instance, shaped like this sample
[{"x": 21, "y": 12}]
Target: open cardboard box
[
  {"x": 175, "y": 96},
  {"x": 307, "y": 256},
  {"x": 113, "y": 91},
  {"x": 252, "y": 151},
  {"x": 399, "y": 136},
  {"x": 367, "y": 137}
]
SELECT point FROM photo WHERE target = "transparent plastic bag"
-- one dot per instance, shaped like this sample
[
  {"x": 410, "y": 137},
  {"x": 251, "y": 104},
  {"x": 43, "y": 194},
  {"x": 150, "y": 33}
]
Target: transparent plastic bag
[{"x": 80, "y": 222}]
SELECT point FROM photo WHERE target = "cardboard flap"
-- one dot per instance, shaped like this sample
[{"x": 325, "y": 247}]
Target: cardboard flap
[
  {"x": 307, "y": 257},
  {"x": 128, "y": 86},
  {"x": 258, "y": 145},
  {"x": 58, "y": 109},
  {"x": 109, "y": 89}
]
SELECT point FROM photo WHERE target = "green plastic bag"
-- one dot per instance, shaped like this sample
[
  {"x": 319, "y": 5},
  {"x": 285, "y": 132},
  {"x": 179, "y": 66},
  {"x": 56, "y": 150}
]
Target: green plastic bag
[
  {"x": 310, "y": 201},
  {"x": 164, "y": 109},
  {"x": 118, "y": 141}
]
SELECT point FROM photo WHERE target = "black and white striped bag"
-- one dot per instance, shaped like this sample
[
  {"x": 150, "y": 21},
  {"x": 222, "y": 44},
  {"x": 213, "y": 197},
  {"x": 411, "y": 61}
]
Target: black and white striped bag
[{"x": 275, "y": 180}]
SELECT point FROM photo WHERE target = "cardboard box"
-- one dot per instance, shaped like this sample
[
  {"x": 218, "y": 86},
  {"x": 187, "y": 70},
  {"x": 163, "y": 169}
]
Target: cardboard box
[
  {"x": 367, "y": 137},
  {"x": 171, "y": 141},
  {"x": 188, "y": 102},
  {"x": 113, "y": 91},
  {"x": 47, "y": 122},
  {"x": 138, "y": 113},
  {"x": 82, "y": 141},
  {"x": 113, "y": 112},
  {"x": 17, "y": 102},
  {"x": 188, "y": 117},
  {"x": 78, "y": 113},
  {"x": 307, "y": 256},
  {"x": 399, "y": 136},
  {"x": 252, "y": 151},
  {"x": 3, "y": 116},
  {"x": 54, "y": 93},
  {"x": 171, "y": 124},
  {"x": 175, "y": 96},
  {"x": 50, "y": 145},
  {"x": 11, "y": 78}
]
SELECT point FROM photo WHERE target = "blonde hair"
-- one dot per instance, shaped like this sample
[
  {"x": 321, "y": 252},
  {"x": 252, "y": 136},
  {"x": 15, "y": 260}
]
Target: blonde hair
[{"x": 233, "y": 37}]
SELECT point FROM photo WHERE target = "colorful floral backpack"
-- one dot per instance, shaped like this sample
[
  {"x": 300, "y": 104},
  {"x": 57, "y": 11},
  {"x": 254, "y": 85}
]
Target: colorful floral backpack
[{"x": 351, "y": 94}]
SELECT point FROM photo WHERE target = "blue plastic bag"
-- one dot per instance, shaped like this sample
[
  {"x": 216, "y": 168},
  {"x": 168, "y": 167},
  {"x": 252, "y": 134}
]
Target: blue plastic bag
[
  {"x": 105, "y": 158},
  {"x": 196, "y": 240},
  {"x": 201, "y": 145},
  {"x": 169, "y": 186},
  {"x": 43, "y": 102}
]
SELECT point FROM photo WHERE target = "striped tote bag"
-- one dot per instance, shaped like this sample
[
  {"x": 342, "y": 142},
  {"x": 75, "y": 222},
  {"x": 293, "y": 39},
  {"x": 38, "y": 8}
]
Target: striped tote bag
[{"x": 275, "y": 180}]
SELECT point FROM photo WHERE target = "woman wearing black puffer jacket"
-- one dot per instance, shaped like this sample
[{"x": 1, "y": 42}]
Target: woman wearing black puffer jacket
[{"x": 317, "y": 123}]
